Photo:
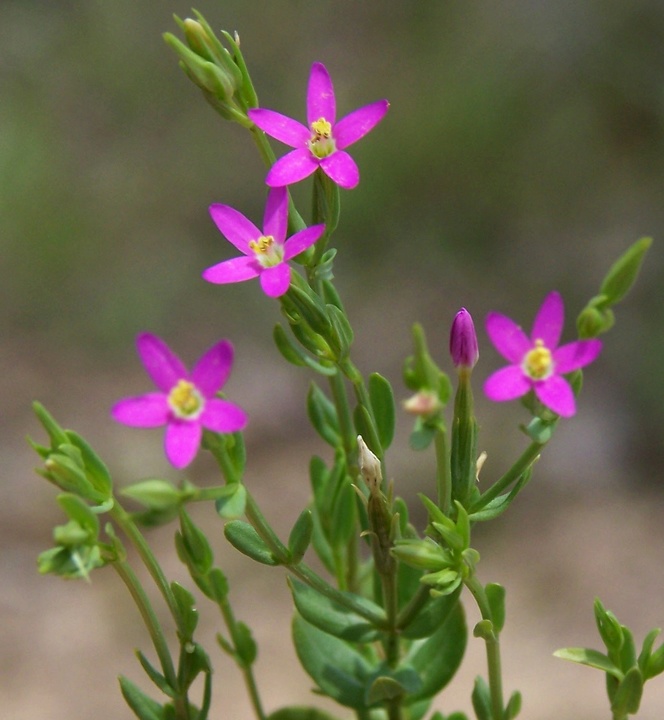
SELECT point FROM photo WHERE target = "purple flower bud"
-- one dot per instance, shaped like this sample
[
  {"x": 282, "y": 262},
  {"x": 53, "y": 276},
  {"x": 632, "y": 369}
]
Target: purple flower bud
[{"x": 463, "y": 341}]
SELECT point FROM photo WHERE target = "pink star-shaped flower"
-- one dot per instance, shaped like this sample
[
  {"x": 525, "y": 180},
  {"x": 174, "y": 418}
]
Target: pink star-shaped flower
[
  {"x": 266, "y": 254},
  {"x": 537, "y": 363},
  {"x": 186, "y": 402},
  {"x": 323, "y": 141}
]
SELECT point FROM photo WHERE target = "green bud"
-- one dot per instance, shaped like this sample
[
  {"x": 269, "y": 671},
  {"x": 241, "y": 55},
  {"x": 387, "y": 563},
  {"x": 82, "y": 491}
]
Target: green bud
[
  {"x": 624, "y": 271},
  {"x": 154, "y": 494},
  {"x": 422, "y": 554},
  {"x": 192, "y": 545}
]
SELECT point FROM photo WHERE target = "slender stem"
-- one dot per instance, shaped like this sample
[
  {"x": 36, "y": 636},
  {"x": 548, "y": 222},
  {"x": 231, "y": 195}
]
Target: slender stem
[
  {"x": 443, "y": 472},
  {"x": 346, "y": 427},
  {"x": 149, "y": 618},
  {"x": 410, "y": 611},
  {"x": 492, "y": 647},
  {"x": 123, "y": 519}
]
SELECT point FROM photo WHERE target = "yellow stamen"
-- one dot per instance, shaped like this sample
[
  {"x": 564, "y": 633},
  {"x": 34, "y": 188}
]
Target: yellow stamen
[
  {"x": 185, "y": 400},
  {"x": 262, "y": 245},
  {"x": 322, "y": 128},
  {"x": 538, "y": 362}
]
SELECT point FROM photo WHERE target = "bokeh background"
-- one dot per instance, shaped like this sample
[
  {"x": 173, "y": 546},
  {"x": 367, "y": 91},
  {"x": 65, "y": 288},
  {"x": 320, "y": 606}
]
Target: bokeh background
[{"x": 523, "y": 152}]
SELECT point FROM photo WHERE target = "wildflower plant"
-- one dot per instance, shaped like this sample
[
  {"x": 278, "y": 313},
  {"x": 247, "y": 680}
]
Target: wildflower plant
[{"x": 380, "y": 625}]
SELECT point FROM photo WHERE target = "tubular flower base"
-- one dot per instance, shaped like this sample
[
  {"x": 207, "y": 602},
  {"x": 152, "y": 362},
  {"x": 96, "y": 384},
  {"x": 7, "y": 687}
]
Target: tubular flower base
[
  {"x": 323, "y": 143},
  {"x": 186, "y": 401},
  {"x": 266, "y": 254},
  {"x": 537, "y": 363}
]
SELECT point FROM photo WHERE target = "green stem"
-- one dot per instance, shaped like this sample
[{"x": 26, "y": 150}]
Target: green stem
[
  {"x": 492, "y": 648},
  {"x": 443, "y": 472},
  {"x": 150, "y": 619},
  {"x": 346, "y": 427},
  {"x": 412, "y": 608},
  {"x": 129, "y": 528}
]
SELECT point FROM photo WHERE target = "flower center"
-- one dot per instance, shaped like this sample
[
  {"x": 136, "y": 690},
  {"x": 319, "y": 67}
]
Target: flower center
[
  {"x": 185, "y": 400},
  {"x": 538, "y": 362},
  {"x": 322, "y": 143},
  {"x": 268, "y": 252}
]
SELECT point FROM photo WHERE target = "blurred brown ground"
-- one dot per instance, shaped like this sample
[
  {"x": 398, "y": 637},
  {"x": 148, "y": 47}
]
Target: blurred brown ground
[{"x": 524, "y": 149}]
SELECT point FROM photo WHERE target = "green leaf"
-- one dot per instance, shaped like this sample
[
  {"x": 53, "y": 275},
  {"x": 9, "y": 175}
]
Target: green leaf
[
  {"x": 655, "y": 663},
  {"x": 245, "y": 645},
  {"x": 153, "y": 493},
  {"x": 299, "y": 713},
  {"x": 336, "y": 667},
  {"x": 244, "y": 538},
  {"x": 382, "y": 403},
  {"x": 344, "y": 516},
  {"x": 232, "y": 502},
  {"x": 194, "y": 545},
  {"x": 186, "y": 607},
  {"x": 495, "y": 594},
  {"x": 96, "y": 470},
  {"x": 646, "y": 651},
  {"x": 624, "y": 271},
  {"x": 482, "y": 700},
  {"x": 628, "y": 695},
  {"x": 365, "y": 427},
  {"x": 513, "y": 706},
  {"x": 422, "y": 436},
  {"x": 323, "y": 416},
  {"x": 300, "y": 536},
  {"x": 342, "y": 331},
  {"x": 157, "y": 678},
  {"x": 295, "y": 355},
  {"x": 437, "y": 658},
  {"x": 591, "y": 658},
  {"x": 331, "y": 617},
  {"x": 144, "y": 707},
  {"x": 432, "y": 616},
  {"x": 79, "y": 511}
]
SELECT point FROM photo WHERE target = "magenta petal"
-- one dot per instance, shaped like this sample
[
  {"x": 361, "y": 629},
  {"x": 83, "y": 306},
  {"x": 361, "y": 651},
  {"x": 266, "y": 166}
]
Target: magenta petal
[
  {"x": 302, "y": 240},
  {"x": 358, "y": 123},
  {"x": 321, "y": 102},
  {"x": 223, "y": 417},
  {"x": 291, "y": 168},
  {"x": 212, "y": 370},
  {"x": 235, "y": 227},
  {"x": 275, "y": 280},
  {"x": 341, "y": 168},
  {"x": 275, "y": 222},
  {"x": 557, "y": 395},
  {"x": 182, "y": 441},
  {"x": 548, "y": 325},
  {"x": 506, "y": 384},
  {"x": 150, "y": 410},
  {"x": 509, "y": 339},
  {"x": 285, "y": 129},
  {"x": 576, "y": 355},
  {"x": 233, "y": 270},
  {"x": 162, "y": 365}
]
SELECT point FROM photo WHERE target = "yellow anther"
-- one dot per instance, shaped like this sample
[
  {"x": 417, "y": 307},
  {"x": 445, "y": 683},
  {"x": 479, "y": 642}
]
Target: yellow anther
[
  {"x": 262, "y": 245},
  {"x": 538, "y": 361},
  {"x": 322, "y": 128},
  {"x": 185, "y": 400}
]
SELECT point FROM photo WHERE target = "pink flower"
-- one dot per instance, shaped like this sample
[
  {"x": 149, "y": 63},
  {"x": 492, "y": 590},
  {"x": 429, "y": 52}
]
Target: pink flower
[
  {"x": 266, "y": 254},
  {"x": 537, "y": 363},
  {"x": 323, "y": 141},
  {"x": 186, "y": 401}
]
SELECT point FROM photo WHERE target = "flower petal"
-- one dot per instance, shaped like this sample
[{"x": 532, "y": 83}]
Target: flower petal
[
  {"x": 291, "y": 168},
  {"x": 275, "y": 280},
  {"x": 508, "y": 338},
  {"x": 150, "y": 410},
  {"x": 235, "y": 227},
  {"x": 576, "y": 355},
  {"x": 507, "y": 383},
  {"x": 181, "y": 442},
  {"x": 321, "y": 102},
  {"x": 212, "y": 370},
  {"x": 548, "y": 325},
  {"x": 285, "y": 129},
  {"x": 358, "y": 123},
  {"x": 557, "y": 395},
  {"x": 341, "y": 168},
  {"x": 233, "y": 270},
  {"x": 223, "y": 417},
  {"x": 302, "y": 240},
  {"x": 275, "y": 221},
  {"x": 162, "y": 365}
]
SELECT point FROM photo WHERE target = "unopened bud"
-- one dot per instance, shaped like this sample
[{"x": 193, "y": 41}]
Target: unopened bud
[
  {"x": 369, "y": 466},
  {"x": 422, "y": 403},
  {"x": 463, "y": 341}
]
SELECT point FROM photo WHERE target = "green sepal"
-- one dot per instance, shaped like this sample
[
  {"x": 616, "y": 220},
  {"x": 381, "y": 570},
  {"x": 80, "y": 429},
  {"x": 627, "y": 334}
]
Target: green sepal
[
  {"x": 311, "y": 309},
  {"x": 513, "y": 706},
  {"x": 53, "y": 429},
  {"x": 299, "y": 713},
  {"x": 610, "y": 629},
  {"x": 333, "y": 618},
  {"x": 335, "y": 666},
  {"x": 295, "y": 355},
  {"x": 481, "y": 699},
  {"x": 590, "y": 658},
  {"x": 495, "y": 594},
  {"x": 144, "y": 707},
  {"x": 437, "y": 659},
  {"x": 185, "y": 602},
  {"x": 232, "y": 501},
  {"x": 157, "y": 678},
  {"x": 323, "y": 415},
  {"x": 382, "y": 404},
  {"x": 300, "y": 536},
  {"x": 655, "y": 664},
  {"x": 646, "y": 651},
  {"x": 244, "y": 538},
  {"x": 627, "y": 697},
  {"x": 330, "y": 294}
]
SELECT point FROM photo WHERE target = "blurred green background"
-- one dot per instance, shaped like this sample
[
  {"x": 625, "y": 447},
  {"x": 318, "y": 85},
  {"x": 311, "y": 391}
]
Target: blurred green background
[{"x": 523, "y": 151}]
